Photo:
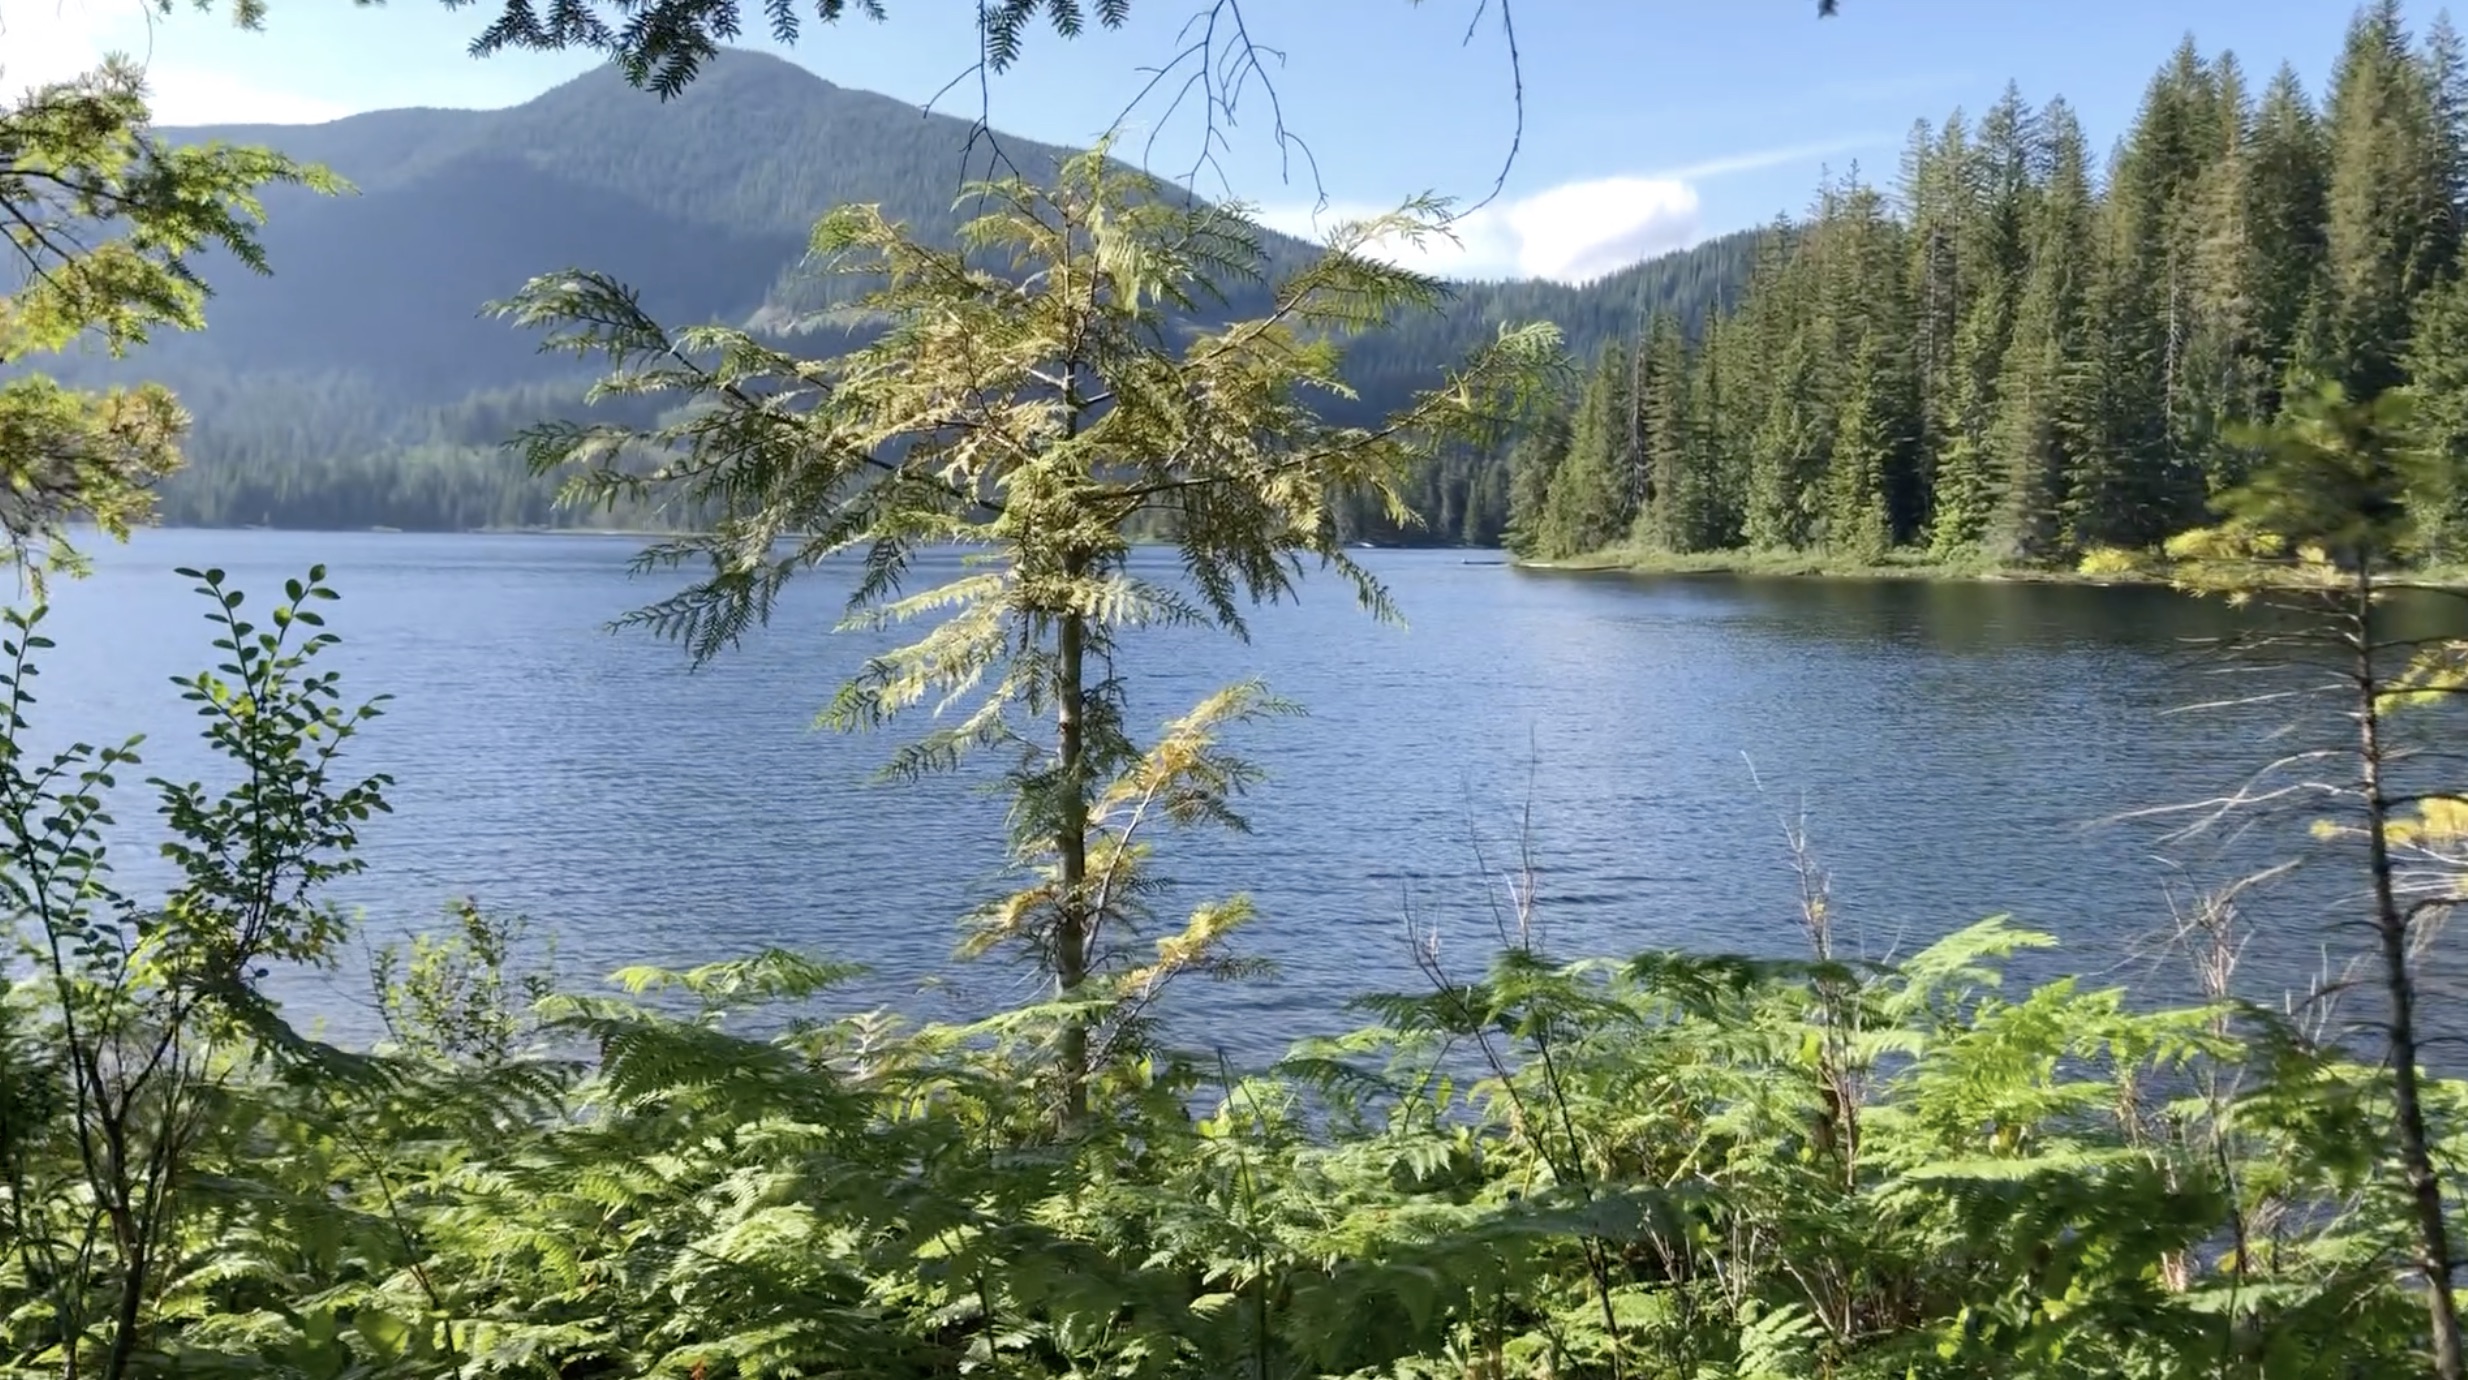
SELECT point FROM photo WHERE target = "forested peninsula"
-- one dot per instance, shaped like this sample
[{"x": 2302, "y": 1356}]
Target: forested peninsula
[{"x": 2022, "y": 354}]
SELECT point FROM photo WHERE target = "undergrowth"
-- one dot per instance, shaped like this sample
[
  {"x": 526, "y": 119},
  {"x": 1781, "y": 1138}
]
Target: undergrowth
[{"x": 1661, "y": 1165}]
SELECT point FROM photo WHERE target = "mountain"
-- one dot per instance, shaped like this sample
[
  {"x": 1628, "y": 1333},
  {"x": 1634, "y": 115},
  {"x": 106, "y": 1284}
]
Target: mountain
[{"x": 359, "y": 386}]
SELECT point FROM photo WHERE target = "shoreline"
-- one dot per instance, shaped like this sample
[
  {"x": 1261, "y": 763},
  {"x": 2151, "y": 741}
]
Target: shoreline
[
  {"x": 1500, "y": 554},
  {"x": 1809, "y": 565},
  {"x": 2152, "y": 573}
]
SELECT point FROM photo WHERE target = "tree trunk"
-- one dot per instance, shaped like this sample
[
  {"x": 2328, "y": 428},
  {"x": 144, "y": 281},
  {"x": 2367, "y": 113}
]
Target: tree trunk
[
  {"x": 1072, "y": 923},
  {"x": 2391, "y": 925}
]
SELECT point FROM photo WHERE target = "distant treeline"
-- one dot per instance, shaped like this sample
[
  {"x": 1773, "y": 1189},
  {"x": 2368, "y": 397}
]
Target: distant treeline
[
  {"x": 342, "y": 450},
  {"x": 330, "y": 452}
]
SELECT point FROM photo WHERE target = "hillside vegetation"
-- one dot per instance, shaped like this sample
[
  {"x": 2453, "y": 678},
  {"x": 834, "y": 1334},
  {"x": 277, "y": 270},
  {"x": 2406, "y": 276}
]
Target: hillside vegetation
[
  {"x": 361, "y": 386},
  {"x": 2025, "y": 353}
]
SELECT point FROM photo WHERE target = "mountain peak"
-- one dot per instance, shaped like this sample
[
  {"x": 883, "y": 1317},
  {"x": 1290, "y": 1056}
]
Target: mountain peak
[{"x": 733, "y": 74}]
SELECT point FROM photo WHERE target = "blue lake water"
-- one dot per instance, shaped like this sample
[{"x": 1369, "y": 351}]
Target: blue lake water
[{"x": 1954, "y": 748}]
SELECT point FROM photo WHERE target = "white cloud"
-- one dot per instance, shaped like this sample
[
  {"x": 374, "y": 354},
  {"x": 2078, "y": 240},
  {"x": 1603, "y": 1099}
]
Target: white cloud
[
  {"x": 1475, "y": 245},
  {"x": 1774, "y": 158},
  {"x": 45, "y": 41},
  {"x": 201, "y": 96},
  {"x": 1573, "y": 232},
  {"x": 1583, "y": 230},
  {"x": 1570, "y": 233}
]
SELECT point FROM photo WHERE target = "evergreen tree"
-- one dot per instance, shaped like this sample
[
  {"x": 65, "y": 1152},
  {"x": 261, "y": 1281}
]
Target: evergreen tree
[
  {"x": 1484, "y": 520},
  {"x": 2030, "y": 440},
  {"x": 1592, "y": 499},
  {"x": 1994, "y": 261},
  {"x": 1857, "y": 524},
  {"x": 2437, "y": 363},
  {"x": 2317, "y": 535},
  {"x": 1997, "y": 242},
  {"x": 107, "y": 225},
  {"x": 1937, "y": 200},
  {"x": 1683, "y": 514},
  {"x": 1965, "y": 495},
  {"x": 2224, "y": 378},
  {"x": 2056, "y": 362},
  {"x": 2047, "y": 394},
  {"x": 1867, "y": 306},
  {"x": 1758, "y": 337},
  {"x": 2190, "y": 121},
  {"x": 1042, "y": 419},
  {"x": 1533, "y": 465},
  {"x": 2446, "y": 80},
  {"x": 2286, "y": 209},
  {"x": 1720, "y": 430},
  {"x": 2149, "y": 304},
  {"x": 1787, "y": 452},
  {"x": 2387, "y": 237}
]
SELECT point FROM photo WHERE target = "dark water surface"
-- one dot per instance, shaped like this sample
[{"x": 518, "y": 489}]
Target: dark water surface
[{"x": 1955, "y": 747}]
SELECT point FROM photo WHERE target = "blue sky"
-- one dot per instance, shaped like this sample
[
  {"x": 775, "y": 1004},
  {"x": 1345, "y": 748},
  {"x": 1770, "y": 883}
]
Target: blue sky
[{"x": 1649, "y": 123}]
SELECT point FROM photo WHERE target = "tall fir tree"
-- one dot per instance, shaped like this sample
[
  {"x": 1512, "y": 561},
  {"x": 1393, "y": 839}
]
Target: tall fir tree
[
  {"x": 2142, "y": 480},
  {"x": 1937, "y": 200},
  {"x": 1682, "y": 515},
  {"x": 1786, "y": 452},
  {"x": 1994, "y": 258},
  {"x": 1867, "y": 306},
  {"x": 2227, "y": 376},
  {"x": 1593, "y": 495},
  {"x": 2287, "y": 211},
  {"x": 2387, "y": 236},
  {"x": 2047, "y": 403},
  {"x": 1964, "y": 497},
  {"x": 1780, "y": 443},
  {"x": 2437, "y": 363},
  {"x": 2445, "y": 60},
  {"x": 1857, "y": 523},
  {"x": 1533, "y": 466},
  {"x": 1719, "y": 405}
]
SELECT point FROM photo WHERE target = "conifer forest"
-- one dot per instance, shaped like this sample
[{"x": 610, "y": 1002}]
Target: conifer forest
[
  {"x": 2230, "y": 356},
  {"x": 2021, "y": 349}
]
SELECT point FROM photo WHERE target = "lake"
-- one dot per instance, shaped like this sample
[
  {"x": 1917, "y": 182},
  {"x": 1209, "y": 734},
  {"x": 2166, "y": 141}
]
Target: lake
[{"x": 1954, "y": 748}]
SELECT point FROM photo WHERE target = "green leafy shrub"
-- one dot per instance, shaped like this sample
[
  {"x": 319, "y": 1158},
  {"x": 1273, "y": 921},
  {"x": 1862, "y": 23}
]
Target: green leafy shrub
[{"x": 2109, "y": 562}]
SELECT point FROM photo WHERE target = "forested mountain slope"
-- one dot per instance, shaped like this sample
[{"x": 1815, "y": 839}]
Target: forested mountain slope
[
  {"x": 360, "y": 386},
  {"x": 703, "y": 204}
]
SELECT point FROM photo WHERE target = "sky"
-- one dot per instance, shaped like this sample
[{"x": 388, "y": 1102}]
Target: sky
[{"x": 1648, "y": 124}]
